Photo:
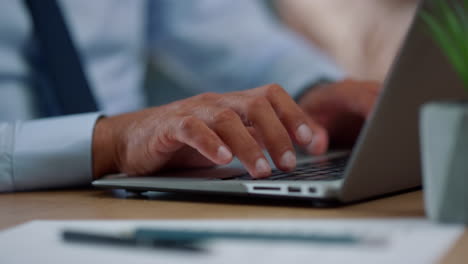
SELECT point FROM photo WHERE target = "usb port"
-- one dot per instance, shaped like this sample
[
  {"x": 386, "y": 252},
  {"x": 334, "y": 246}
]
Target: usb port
[{"x": 294, "y": 189}]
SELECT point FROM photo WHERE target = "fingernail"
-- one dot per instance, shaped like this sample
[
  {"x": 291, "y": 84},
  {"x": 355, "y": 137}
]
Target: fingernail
[
  {"x": 224, "y": 154},
  {"x": 262, "y": 168},
  {"x": 288, "y": 160},
  {"x": 304, "y": 134}
]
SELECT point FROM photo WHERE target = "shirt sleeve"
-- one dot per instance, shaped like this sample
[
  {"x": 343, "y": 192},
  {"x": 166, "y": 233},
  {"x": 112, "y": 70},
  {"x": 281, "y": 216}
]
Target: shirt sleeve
[
  {"x": 224, "y": 45},
  {"x": 46, "y": 153}
]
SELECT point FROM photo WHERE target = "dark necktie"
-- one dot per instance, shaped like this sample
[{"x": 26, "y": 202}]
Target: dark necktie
[{"x": 62, "y": 65}]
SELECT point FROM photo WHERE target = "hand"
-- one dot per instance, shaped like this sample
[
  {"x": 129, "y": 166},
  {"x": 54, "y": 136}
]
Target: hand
[
  {"x": 339, "y": 111},
  {"x": 202, "y": 131}
]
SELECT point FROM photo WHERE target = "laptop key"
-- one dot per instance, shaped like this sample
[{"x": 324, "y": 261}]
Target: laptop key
[{"x": 323, "y": 170}]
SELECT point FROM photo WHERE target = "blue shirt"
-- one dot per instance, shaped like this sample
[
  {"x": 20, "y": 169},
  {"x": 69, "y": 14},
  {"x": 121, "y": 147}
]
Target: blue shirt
[{"x": 205, "y": 45}]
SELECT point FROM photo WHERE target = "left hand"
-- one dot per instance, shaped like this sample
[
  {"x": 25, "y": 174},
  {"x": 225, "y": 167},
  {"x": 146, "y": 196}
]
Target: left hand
[{"x": 339, "y": 110}]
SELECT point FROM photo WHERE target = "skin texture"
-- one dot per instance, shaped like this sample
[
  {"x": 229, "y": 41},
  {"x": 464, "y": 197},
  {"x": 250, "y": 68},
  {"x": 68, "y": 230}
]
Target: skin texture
[
  {"x": 209, "y": 129},
  {"x": 340, "y": 109}
]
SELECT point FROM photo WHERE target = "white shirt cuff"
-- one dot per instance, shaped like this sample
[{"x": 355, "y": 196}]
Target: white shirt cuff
[
  {"x": 7, "y": 133},
  {"x": 53, "y": 152}
]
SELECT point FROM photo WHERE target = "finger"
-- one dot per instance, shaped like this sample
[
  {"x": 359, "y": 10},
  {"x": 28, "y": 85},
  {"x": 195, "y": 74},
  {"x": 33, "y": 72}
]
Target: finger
[
  {"x": 290, "y": 114},
  {"x": 195, "y": 133},
  {"x": 230, "y": 128},
  {"x": 272, "y": 132},
  {"x": 359, "y": 96},
  {"x": 363, "y": 104},
  {"x": 320, "y": 141},
  {"x": 373, "y": 86},
  {"x": 254, "y": 133},
  {"x": 189, "y": 157}
]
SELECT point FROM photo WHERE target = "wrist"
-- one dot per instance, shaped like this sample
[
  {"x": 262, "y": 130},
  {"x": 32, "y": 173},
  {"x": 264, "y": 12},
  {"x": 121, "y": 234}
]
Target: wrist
[{"x": 103, "y": 153}]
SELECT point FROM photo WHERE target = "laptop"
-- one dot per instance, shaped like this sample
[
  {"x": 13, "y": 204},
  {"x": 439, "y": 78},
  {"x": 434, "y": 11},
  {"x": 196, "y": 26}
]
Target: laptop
[{"x": 384, "y": 160}]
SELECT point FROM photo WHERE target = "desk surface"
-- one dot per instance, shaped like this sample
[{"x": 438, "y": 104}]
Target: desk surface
[{"x": 18, "y": 208}]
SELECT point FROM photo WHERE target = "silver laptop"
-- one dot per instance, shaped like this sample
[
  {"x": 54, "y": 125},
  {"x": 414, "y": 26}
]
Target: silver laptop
[{"x": 385, "y": 158}]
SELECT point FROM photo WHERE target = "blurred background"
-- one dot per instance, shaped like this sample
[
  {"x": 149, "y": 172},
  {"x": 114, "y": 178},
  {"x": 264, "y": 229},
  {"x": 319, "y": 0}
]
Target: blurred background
[{"x": 361, "y": 36}]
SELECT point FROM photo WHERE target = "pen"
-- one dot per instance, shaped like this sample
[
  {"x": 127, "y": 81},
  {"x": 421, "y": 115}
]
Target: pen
[
  {"x": 184, "y": 239},
  {"x": 190, "y": 235},
  {"x": 132, "y": 241}
]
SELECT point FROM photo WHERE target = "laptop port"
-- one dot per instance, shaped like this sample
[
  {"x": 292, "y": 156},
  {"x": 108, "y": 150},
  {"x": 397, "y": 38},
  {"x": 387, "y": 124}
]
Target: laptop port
[
  {"x": 294, "y": 189},
  {"x": 312, "y": 189},
  {"x": 266, "y": 188}
]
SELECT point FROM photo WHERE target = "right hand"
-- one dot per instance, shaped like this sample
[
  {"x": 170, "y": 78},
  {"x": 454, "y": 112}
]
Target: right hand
[{"x": 207, "y": 129}]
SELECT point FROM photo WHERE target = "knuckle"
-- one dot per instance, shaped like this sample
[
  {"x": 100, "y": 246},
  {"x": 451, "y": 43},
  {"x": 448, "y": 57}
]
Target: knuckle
[
  {"x": 257, "y": 102},
  {"x": 188, "y": 123},
  {"x": 225, "y": 115},
  {"x": 254, "y": 105},
  {"x": 274, "y": 89},
  {"x": 210, "y": 96}
]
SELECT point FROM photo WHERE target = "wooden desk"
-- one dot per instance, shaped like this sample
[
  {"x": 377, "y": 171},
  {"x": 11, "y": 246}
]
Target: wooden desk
[{"x": 97, "y": 204}]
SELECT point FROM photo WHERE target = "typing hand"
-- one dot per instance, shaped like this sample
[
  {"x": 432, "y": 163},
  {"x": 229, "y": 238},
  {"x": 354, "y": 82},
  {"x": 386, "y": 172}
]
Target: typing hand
[
  {"x": 205, "y": 130},
  {"x": 340, "y": 110}
]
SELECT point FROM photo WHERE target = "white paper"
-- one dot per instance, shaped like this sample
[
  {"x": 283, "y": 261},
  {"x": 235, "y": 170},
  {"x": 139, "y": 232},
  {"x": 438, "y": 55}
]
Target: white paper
[{"x": 407, "y": 241}]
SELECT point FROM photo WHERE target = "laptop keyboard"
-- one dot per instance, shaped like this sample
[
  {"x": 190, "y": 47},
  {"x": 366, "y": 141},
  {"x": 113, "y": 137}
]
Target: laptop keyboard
[{"x": 323, "y": 170}]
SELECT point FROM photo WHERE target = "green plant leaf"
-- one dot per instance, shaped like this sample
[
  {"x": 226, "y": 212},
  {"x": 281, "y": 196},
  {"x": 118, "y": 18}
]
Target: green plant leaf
[
  {"x": 457, "y": 31},
  {"x": 448, "y": 25},
  {"x": 442, "y": 37},
  {"x": 462, "y": 15}
]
